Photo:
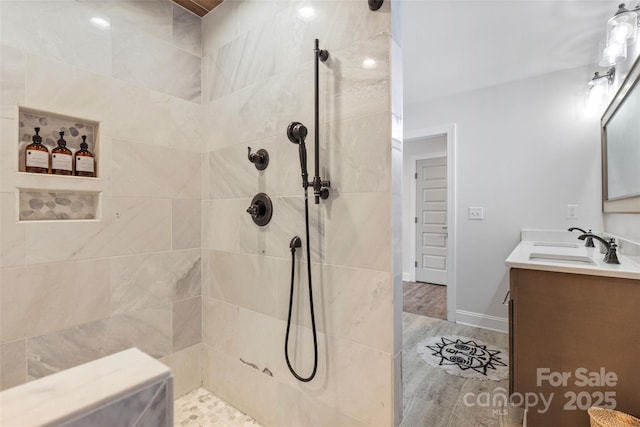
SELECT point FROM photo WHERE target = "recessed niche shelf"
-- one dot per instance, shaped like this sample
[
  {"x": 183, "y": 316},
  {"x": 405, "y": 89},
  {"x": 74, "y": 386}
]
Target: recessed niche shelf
[
  {"x": 50, "y": 125},
  {"x": 49, "y": 197},
  {"x": 41, "y": 205}
]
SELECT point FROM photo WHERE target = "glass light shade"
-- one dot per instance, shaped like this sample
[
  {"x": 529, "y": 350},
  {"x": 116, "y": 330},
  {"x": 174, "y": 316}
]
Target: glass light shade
[
  {"x": 597, "y": 96},
  {"x": 612, "y": 53},
  {"x": 623, "y": 27}
]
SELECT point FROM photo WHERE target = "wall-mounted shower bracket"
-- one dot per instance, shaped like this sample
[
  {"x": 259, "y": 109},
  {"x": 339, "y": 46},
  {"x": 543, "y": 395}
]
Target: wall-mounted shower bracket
[
  {"x": 320, "y": 188},
  {"x": 260, "y": 158},
  {"x": 261, "y": 209}
]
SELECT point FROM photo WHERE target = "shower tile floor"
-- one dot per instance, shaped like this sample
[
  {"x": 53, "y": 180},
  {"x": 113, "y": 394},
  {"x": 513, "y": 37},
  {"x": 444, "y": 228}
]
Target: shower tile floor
[{"x": 201, "y": 408}]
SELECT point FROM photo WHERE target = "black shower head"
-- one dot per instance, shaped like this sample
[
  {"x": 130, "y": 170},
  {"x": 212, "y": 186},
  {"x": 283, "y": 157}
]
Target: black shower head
[{"x": 296, "y": 132}]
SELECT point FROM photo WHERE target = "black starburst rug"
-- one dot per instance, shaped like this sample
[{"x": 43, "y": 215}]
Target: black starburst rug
[{"x": 465, "y": 357}]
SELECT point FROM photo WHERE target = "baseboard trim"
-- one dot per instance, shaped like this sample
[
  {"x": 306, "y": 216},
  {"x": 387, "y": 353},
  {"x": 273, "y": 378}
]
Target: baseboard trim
[
  {"x": 406, "y": 277},
  {"x": 484, "y": 321}
]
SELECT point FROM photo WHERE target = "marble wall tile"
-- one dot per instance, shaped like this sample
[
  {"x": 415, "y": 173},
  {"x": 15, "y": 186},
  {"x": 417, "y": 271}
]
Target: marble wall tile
[
  {"x": 287, "y": 221},
  {"x": 220, "y": 330},
  {"x": 295, "y": 35},
  {"x": 260, "y": 346},
  {"x": 186, "y": 31},
  {"x": 350, "y": 303},
  {"x": 231, "y": 175},
  {"x": 361, "y": 383},
  {"x": 336, "y": 24},
  {"x": 76, "y": 92},
  {"x": 255, "y": 13},
  {"x": 186, "y": 369},
  {"x": 150, "y": 280},
  {"x": 220, "y": 123},
  {"x": 159, "y": 411},
  {"x": 186, "y": 125},
  {"x": 350, "y": 23},
  {"x": 139, "y": 115},
  {"x": 187, "y": 323},
  {"x": 13, "y": 364},
  {"x": 122, "y": 412},
  {"x": 359, "y": 156},
  {"x": 146, "y": 171},
  {"x": 349, "y": 89},
  {"x": 297, "y": 408},
  {"x": 147, "y": 329},
  {"x": 128, "y": 226},
  {"x": 44, "y": 298},
  {"x": 9, "y": 154},
  {"x": 250, "y": 58},
  {"x": 155, "y": 64},
  {"x": 12, "y": 80},
  {"x": 221, "y": 223},
  {"x": 245, "y": 280},
  {"x": 64, "y": 33},
  {"x": 186, "y": 223},
  {"x": 214, "y": 365},
  {"x": 358, "y": 233},
  {"x": 219, "y": 28},
  {"x": 268, "y": 108},
  {"x": 12, "y": 242},
  {"x": 151, "y": 17},
  {"x": 251, "y": 391}
]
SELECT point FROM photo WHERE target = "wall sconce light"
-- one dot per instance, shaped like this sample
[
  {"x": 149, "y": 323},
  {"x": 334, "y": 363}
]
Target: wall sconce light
[
  {"x": 598, "y": 94},
  {"x": 623, "y": 26},
  {"x": 622, "y": 29}
]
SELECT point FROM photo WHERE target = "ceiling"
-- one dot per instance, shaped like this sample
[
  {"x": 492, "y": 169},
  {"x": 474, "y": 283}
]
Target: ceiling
[
  {"x": 199, "y": 7},
  {"x": 456, "y": 46}
]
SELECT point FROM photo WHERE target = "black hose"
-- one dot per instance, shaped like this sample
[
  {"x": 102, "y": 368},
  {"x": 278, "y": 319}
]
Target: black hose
[{"x": 313, "y": 318}]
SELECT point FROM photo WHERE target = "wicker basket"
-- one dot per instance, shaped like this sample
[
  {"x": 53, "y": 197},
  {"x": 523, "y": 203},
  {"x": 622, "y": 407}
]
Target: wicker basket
[{"x": 601, "y": 417}]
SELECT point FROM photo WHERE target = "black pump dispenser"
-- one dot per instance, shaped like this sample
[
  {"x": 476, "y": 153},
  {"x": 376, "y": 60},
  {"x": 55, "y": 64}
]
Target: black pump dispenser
[
  {"x": 83, "y": 144},
  {"x": 37, "y": 139},
  {"x": 61, "y": 142}
]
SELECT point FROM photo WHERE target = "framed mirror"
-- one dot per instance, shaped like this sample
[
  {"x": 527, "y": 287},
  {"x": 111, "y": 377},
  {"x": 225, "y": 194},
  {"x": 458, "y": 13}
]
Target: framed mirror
[{"x": 621, "y": 147}]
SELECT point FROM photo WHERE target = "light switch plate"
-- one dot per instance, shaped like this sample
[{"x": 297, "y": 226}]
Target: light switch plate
[{"x": 476, "y": 213}]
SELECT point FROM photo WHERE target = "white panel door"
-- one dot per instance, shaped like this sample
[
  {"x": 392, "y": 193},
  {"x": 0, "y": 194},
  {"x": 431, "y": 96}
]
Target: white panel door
[{"x": 431, "y": 220}]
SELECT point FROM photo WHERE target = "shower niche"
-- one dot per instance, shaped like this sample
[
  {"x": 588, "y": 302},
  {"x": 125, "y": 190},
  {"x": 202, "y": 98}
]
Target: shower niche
[{"x": 53, "y": 197}]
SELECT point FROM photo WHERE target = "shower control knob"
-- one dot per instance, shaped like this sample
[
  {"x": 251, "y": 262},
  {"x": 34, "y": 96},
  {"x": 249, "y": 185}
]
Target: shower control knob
[
  {"x": 261, "y": 209},
  {"x": 324, "y": 193},
  {"x": 254, "y": 210}
]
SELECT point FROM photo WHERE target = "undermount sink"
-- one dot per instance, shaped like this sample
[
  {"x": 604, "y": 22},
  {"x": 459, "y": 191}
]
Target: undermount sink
[
  {"x": 564, "y": 258},
  {"x": 556, "y": 244}
]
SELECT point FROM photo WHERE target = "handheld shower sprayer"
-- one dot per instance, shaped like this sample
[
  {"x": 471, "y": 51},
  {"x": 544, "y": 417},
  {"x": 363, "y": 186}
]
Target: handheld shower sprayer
[{"x": 297, "y": 133}]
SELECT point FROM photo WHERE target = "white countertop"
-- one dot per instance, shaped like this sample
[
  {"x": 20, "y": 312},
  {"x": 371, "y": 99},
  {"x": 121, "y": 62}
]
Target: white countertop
[{"x": 563, "y": 252}]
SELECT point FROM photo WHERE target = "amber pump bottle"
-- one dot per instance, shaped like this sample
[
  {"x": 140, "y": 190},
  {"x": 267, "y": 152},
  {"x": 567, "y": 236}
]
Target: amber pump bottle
[
  {"x": 36, "y": 155},
  {"x": 61, "y": 158},
  {"x": 85, "y": 163}
]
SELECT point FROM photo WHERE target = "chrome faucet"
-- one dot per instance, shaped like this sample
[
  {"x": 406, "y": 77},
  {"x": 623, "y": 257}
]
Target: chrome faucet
[
  {"x": 611, "y": 257},
  {"x": 589, "y": 242}
]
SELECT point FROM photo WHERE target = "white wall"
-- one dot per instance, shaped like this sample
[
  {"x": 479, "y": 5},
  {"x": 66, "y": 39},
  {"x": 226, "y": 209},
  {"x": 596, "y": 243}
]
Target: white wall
[
  {"x": 434, "y": 147},
  {"x": 524, "y": 151}
]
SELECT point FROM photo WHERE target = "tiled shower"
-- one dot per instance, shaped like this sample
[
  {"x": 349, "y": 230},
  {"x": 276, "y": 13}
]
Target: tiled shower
[{"x": 173, "y": 264}]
